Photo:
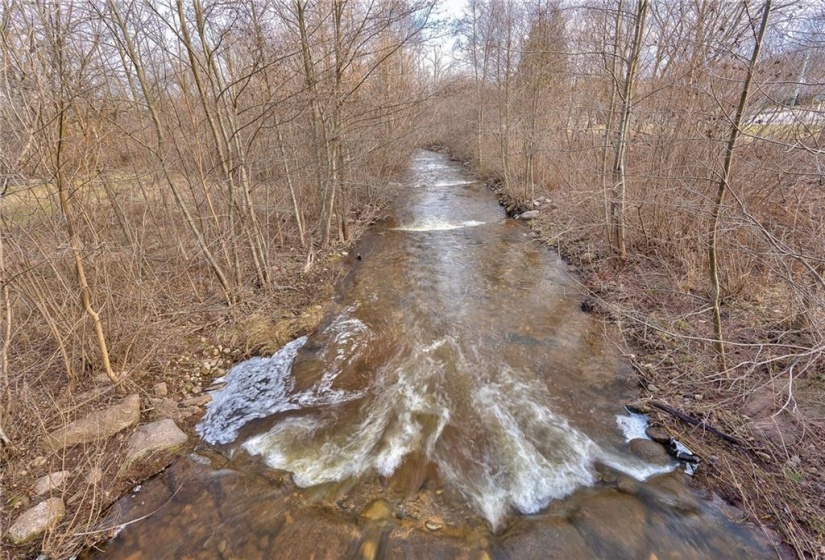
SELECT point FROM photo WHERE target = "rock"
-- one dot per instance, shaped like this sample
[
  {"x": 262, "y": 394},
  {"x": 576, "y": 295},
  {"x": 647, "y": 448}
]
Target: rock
[
  {"x": 638, "y": 407},
  {"x": 154, "y": 443},
  {"x": 649, "y": 451},
  {"x": 200, "y": 400},
  {"x": 379, "y": 510},
  {"x": 401, "y": 542},
  {"x": 671, "y": 492},
  {"x": 98, "y": 425},
  {"x": 613, "y": 524},
  {"x": 587, "y": 258},
  {"x": 165, "y": 408},
  {"x": 529, "y": 215},
  {"x": 50, "y": 482},
  {"x": 778, "y": 429},
  {"x": 628, "y": 485},
  {"x": 160, "y": 390},
  {"x": 434, "y": 524},
  {"x": 760, "y": 403},
  {"x": 552, "y": 538},
  {"x": 34, "y": 521},
  {"x": 652, "y": 388},
  {"x": 39, "y": 461},
  {"x": 95, "y": 476},
  {"x": 101, "y": 379},
  {"x": 658, "y": 434}
]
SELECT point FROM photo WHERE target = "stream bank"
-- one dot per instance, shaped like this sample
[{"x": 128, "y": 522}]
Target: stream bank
[
  {"x": 761, "y": 440},
  {"x": 88, "y": 475}
]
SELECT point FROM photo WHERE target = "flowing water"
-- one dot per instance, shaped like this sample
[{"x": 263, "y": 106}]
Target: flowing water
[{"x": 455, "y": 402}]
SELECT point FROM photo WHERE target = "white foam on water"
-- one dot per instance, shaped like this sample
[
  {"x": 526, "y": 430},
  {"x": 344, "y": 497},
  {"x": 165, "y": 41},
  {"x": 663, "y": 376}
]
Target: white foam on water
[
  {"x": 518, "y": 455},
  {"x": 261, "y": 387},
  {"x": 632, "y": 425},
  {"x": 438, "y": 224},
  {"x": 453, "y": 183},
  {"x": 392, "y": 427},
  {"x": 534, "y": 456},
  {"x": 254, "y": 389}
]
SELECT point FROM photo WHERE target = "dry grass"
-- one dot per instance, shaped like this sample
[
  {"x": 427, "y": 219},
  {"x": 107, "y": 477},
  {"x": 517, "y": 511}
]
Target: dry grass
[{"x": 183, "y": 354}]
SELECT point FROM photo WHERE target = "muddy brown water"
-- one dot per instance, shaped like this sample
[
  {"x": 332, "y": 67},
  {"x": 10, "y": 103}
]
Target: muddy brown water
[{"x": 455, "y": 403}]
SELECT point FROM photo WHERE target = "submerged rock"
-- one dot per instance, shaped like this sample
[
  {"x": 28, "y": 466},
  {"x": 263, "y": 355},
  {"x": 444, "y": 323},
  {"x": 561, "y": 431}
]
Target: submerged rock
[
  {"x": 613, "y": 525},
  {"x": 552, "y": 538},
  {"x": 379, "y": 510},
  {"x": 649, "y": 451},
  {"x": 36, "y": 520},
  {"x": 98, "y": 425}
]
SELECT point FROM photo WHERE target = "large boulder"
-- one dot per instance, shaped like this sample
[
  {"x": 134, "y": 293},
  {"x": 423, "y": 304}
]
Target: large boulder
[
  {"x": 36, "y": 520},
  {"x": 98, "y": 425},
  {"x": 154, "y": 444}
]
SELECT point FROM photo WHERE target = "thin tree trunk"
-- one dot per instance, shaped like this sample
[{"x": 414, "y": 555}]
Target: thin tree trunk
[
  {"x": 295, "y": 206},
  {"x": 5, "y": 395},
  {"x": 611, "y": 114},
  {"x": 75, "y": 243},
  {"x": 722, "y": 187},
  {"x": 333, "y": 144},
  {"x": 311, "y": 81},
  {"x": 619, "y": 172}
]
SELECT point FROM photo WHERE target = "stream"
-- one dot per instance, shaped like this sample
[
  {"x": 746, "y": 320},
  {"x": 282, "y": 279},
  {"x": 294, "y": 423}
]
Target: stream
[{"x": 455, "y": 402}]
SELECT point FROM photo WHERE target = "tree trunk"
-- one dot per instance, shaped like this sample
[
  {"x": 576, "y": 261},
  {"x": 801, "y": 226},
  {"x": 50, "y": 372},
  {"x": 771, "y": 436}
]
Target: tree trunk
[
  {"x": 5, "y": 395},
  {"x": 608, "y": 127},
  {"x": 75, "y": 247},
  {"x": 722, "y": 187},
  {"x": 619, "y": 172}
]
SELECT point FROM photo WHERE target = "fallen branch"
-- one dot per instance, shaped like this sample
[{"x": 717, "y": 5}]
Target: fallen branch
[{"x": 694, "y": 422}]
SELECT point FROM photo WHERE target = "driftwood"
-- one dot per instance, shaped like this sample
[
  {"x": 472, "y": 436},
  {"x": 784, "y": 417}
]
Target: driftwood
[{"x": 694, "y": 422}]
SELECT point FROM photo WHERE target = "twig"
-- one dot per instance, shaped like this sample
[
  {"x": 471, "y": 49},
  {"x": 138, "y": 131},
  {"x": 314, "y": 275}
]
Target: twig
[
  {"x": 120, "y": 526},
  {"x": 694, "y": 422}
]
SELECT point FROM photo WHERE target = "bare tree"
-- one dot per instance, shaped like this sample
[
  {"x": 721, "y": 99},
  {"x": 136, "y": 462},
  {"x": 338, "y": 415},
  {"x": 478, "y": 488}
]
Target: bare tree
[
  {"x": 617, "y": 203},
  {"x": 722, "y": 187}
]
